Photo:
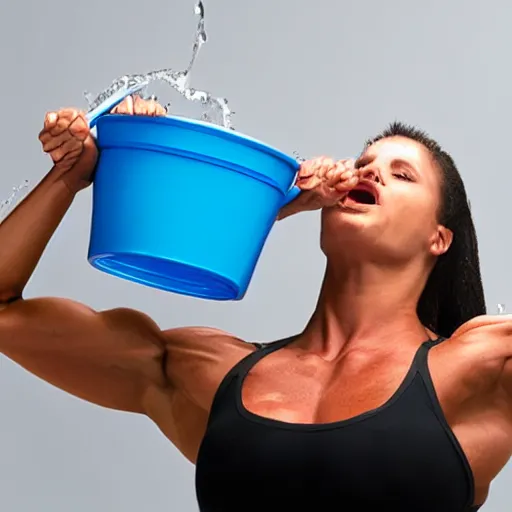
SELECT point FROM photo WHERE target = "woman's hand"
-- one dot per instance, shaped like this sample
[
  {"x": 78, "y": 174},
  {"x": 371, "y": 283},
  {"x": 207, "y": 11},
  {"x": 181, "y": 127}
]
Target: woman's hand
[
  {"x": 135, "y": 105},
  {"x": 323, "y": 182},
  {"x": 67, "y": 138}
]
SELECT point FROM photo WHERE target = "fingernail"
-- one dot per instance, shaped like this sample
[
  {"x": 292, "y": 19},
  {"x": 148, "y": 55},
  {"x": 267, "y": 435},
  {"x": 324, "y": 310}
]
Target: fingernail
[{"x": 52, "y": 117}]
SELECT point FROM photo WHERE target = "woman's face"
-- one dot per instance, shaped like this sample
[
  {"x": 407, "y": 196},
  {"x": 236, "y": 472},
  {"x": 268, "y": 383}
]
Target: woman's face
[{"x": 402, "y": 223}]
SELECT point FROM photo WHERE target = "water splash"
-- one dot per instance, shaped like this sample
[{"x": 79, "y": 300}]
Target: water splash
[
  {"x": 7, "y": 204},
  {"x": 215, "y": 110},
  {"x": 298, "y": 157},
  {"x": 201, "y": 36}
]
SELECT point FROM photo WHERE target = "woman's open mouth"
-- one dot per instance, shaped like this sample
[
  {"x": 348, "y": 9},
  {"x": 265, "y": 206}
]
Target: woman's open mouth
[{"x": 363, "y": 194}]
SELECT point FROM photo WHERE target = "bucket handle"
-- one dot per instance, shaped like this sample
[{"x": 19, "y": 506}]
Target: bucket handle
[
  {"x": 291, "y": 195},
  {"x": 104, "y": 108}
]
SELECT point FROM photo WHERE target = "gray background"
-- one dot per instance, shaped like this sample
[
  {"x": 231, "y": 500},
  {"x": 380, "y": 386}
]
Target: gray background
[{"x": 317, "y": 77}]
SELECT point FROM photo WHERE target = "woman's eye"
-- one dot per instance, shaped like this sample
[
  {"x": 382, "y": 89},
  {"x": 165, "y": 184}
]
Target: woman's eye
[{"x": 402, "y": 176}]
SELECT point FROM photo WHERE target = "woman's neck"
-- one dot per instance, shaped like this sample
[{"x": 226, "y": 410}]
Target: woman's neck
[{"x": 365, "y": 307}]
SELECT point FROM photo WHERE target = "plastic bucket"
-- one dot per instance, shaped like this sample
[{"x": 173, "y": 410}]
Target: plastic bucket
[{"x": 184, "y": 206}]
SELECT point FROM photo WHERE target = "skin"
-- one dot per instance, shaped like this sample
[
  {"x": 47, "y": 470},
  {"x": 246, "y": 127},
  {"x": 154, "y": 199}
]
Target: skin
[{"x": 345, "y": 362}]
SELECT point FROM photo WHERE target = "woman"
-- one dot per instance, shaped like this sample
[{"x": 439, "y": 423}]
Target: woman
[{"x": 398, "y": 392}]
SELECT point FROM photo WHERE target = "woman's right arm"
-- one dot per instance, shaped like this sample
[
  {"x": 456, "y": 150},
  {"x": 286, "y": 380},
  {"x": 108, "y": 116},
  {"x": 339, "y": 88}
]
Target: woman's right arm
[
  {"x": 119, "y": 358},
  {"x": 108, "y": 358}
]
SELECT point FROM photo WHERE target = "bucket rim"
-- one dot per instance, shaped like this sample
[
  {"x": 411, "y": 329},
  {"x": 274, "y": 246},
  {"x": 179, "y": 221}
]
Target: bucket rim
[{"x": 204, "y": 127}]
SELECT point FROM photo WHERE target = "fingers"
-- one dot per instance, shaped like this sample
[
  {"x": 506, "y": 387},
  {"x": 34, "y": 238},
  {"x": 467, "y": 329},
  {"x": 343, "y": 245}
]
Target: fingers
[
  {"x": 50, "y": 120},
  {"x": 140, "y": 106},
  {"x": 58, "y": 130},
  {"x": 71, "y": 147},
  {"x": 50, "y": 142},
  {"x": 312, "y": 172},
  {"x": 339, "y": 171},
  {"x": 318, "y": 166},
  {"x": 56, "y": 123},
  {"x": 150, "y": 107},
  {"x": 160, "y": 110},
  {"x": 135, "y": 105},
  {"x": 64, "y": 133},
  {"x": 344, "y": 177},
  {"x": 339, "y": 176},
  {"x": 125, "y": 107},
  {"x": 79, "y": 128}
]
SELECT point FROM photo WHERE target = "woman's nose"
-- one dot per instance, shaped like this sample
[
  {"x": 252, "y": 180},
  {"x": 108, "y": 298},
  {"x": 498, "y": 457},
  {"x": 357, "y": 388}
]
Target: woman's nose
[{"x": 372, "y": 175}]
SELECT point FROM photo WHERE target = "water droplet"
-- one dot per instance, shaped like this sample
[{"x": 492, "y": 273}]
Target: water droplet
[
  {"x": 501, "y": 309},
  {"x": 89, "y": 98},
  {"x": 199, "y": 9},
  {"x": 299, "y": 158},
  {"x": 7, "y": 204},
  {"x": 216, "y": 110}
]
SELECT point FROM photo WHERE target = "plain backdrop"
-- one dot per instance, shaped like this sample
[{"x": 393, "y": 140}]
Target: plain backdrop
[{"x": 317, "y": 77}]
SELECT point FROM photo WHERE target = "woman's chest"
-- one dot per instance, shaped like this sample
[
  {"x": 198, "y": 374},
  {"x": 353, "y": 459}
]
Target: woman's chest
[
  {"x": 382, "y": 455},
  {"x": 312, "y": 393},
  {"x": 444, "y": 402}
]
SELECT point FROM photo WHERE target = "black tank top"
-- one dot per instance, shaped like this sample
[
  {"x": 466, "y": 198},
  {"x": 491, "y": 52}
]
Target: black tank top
[{"x": 402, "y": 456}]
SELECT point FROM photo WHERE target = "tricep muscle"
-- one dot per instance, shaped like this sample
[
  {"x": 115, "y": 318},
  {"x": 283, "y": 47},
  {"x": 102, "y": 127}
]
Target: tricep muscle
[{"x": 110, "y": 358}]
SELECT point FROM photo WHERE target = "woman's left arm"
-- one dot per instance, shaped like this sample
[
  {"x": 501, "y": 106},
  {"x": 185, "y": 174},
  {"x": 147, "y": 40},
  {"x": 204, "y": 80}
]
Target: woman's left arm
[{"x": 495, "y": 332}]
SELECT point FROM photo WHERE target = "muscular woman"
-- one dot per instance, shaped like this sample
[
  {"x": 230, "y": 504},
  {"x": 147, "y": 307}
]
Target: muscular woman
[{"x": 397, "y": 393}]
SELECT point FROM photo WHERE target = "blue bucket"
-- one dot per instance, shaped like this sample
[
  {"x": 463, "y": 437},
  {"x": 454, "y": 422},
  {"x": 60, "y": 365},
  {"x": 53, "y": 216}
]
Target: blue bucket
[{"x": 184, "y": 206}]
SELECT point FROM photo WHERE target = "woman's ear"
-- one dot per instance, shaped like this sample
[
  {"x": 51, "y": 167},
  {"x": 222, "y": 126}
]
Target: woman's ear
[{"x": 441, "y": 240}]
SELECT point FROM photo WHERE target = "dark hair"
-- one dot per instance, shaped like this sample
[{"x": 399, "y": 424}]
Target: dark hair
[{"x": 454, "y": 292}]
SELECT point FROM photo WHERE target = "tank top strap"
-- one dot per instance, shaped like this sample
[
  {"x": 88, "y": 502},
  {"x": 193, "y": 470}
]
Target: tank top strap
[
  {"x": 262, "y": 349},
  {"x": 424, "y": 371},
  {"x": 243, "y": 366},
  {"x": 421, "y": 358},
  {"x": 433, "y": 343}
]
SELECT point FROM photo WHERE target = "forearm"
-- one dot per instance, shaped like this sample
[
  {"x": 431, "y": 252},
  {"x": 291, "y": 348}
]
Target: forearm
[
  {"x": 25, "y": 233},
  {"x": 290, "y": 209}
]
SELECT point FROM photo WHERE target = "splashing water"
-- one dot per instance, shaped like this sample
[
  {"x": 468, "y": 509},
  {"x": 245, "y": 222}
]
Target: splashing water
[
  {"x": 201, "y": 36},
  {"x": 7, "y": 204},
  {"x": 298, "y": 157},
  {"x": 501, "y": 309},
  {"x": 215, "y": 110}
]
